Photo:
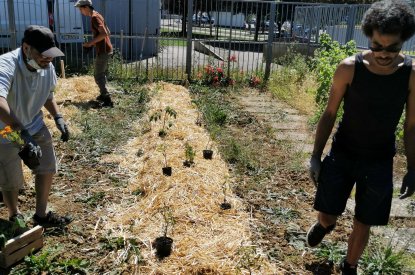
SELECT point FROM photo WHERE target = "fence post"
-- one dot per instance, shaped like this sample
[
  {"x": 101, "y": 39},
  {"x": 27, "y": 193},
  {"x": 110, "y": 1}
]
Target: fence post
[
  {"x": 57, "y": 26},
  {"x": 268, "y": 54},
  {"x": 189, "y": 40},
  {"x": 230, "y": 42},
  {"x": 12, "y": 24},
  {"x": 351, "y": 23}
]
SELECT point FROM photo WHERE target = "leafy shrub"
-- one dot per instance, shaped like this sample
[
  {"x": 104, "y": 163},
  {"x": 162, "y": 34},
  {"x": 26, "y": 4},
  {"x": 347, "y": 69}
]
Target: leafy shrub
[{"x": 325, "y": 62}]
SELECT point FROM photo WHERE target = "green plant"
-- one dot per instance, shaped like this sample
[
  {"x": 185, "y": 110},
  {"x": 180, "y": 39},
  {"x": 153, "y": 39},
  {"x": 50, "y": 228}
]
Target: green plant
[
  {"x": 163, "y": 149},
  {"x": 248, "y": 259},
  {"x": 158, "y": 114},
  {"x": 381, "y": 259},
  {"x": 325, "y": 62},
  {"x": 93, "y": 200},
  {"x": 213, "y": 133},
  {"x": 10, "y": 231},
  {"x": 74, "y": 266},
  {"x": 293, "y": 82},
  {"x": 189, "y": 153},
  {"x": 168, "y": 218},
  {"x": 39, "y": 264},
  {"x": 332, "y": 253},
  {"x": 285, "y": 214}
]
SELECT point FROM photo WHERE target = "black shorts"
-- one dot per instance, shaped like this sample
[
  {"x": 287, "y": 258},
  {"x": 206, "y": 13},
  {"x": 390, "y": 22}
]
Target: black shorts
[{"x": 374, "y": 187}]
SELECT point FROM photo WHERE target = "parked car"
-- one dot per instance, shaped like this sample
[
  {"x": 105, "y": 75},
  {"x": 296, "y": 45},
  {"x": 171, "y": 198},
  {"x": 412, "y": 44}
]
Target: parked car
[{"x": 203, "y": 19}]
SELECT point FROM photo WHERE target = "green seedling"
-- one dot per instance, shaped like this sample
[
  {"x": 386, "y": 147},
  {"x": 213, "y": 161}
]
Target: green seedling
[
  {"x": 249, "y": 259},
  {"x": 163, "y": 115},
  {"x": 190, "y": 154}
]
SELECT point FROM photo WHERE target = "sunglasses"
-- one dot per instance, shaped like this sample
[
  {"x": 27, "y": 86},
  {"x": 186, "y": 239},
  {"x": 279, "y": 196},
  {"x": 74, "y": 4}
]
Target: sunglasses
[{"x": 390, "y": 49}]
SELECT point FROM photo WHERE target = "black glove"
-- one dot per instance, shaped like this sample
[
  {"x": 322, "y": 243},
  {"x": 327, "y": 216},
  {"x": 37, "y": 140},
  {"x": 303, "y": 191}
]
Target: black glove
[
  {"x": 60, "y": 123},
  {"x": 314, "y": 169},
  {"x": 31, "y": 152},
  {"x": 408, "y": 184}
]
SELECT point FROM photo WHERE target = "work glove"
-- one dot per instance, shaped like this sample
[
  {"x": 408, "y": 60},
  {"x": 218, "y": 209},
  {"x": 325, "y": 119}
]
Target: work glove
[
  {"x": 61, "y": 125},
  {"x": 315, "y": 168},
  {"x": 408, "y": 184},
  {"x": 31, "y": 152}
]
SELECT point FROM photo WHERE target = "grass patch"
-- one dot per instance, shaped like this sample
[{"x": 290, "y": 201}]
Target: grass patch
[
  {"x": 294, "y": 83},
  {"x": 172, "y": 42},
  {"x": 110, "y": 126}
]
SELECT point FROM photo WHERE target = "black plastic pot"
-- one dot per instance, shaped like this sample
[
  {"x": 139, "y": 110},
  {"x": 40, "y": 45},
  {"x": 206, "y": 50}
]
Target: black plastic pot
[
  {"x": 162, "y": 133},
  {"x": 167, "y": 171},
  {"x": 188, "y": 163},
  {"x": 225, "y": 205},
  {"x": 207, "y": 154},
  {"x": 162, "y": 245}
]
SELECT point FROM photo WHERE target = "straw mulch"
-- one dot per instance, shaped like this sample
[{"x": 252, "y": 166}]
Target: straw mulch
[{"x": 206, "y": 239}]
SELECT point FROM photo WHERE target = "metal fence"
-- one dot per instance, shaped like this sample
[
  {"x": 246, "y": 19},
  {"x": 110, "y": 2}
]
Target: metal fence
[{"x": 175, "y": 39}]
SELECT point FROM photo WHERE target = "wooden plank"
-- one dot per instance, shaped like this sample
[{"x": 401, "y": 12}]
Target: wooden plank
[
  {"x": 22, "y": 240},
  {"x": 8, "y": 260}
]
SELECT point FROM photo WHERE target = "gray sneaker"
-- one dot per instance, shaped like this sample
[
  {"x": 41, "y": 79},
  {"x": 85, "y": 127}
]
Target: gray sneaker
[{"x": 316, "y": 233}]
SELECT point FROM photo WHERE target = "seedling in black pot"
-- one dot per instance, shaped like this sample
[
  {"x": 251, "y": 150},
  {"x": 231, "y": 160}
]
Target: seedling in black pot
[
  {"x": 190, "y": 155},
  {"x": 208, "y": 152},
  {"x": 225, "y": 205},
  {"x": 167, "y": 112},
  {"x": 167, "y": 170},
  {"x": 163, "y": 244}
]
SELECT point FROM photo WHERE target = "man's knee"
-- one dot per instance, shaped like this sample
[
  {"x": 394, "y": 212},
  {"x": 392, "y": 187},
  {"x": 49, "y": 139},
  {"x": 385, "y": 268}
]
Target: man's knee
[
  {"x": 359, "y": 226},
  {"x": 327, "y": 220}
]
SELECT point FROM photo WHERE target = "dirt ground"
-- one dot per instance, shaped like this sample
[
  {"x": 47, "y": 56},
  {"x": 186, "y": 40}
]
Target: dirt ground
[{"x": 276, "y": 192}]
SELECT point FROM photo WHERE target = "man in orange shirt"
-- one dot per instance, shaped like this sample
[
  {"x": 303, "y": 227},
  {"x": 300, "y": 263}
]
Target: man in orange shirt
[{"x": 102, "y": 43}]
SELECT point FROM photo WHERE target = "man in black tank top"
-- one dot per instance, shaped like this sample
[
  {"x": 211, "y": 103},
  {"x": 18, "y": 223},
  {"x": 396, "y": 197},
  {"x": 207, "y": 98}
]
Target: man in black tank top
[{"x": 375, "y": 87}]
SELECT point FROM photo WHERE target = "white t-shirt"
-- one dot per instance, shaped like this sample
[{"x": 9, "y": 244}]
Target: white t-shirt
[{"x": 26, "y": 92}]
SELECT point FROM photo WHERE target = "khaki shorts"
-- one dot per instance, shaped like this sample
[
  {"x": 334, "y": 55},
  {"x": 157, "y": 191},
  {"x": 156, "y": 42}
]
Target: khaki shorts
[{"x": 11, "y": 173}]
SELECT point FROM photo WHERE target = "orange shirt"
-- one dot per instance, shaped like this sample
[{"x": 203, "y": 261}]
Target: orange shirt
[{"x": 97, "y": 23}]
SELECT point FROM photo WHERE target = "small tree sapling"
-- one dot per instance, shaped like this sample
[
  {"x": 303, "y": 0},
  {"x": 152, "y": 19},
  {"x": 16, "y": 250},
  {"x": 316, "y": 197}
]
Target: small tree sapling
[{"x": 158, "y": 114}]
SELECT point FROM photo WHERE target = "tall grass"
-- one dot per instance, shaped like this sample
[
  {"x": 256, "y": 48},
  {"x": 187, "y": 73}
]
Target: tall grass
[{"x": 294, "y": 83}]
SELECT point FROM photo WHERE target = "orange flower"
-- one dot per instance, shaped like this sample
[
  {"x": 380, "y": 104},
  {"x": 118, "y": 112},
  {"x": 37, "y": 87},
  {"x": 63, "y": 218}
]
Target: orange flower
[
  {"x": 8, "y": 129},
  {"x": 12, "y": 136}
]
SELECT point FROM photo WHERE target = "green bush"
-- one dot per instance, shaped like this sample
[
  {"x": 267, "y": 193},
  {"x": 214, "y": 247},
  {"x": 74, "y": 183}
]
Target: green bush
[{"x": 325, "y": 62}]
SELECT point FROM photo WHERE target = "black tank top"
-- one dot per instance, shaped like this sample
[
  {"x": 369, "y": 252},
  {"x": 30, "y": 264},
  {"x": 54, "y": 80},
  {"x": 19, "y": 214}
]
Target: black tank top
[{"x": 372, "y": 105}]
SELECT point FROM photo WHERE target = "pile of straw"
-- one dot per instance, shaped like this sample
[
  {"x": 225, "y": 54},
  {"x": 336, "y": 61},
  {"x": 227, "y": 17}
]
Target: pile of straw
[{"x": 206, "y": 239}]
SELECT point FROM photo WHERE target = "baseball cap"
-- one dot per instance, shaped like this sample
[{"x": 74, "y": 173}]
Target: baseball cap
[
  {"x": 42, "y": 39},
  {"x": 83, "y": 3}
]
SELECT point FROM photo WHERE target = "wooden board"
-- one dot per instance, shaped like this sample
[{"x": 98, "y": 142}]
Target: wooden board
[{"x": 21, "y": 246}]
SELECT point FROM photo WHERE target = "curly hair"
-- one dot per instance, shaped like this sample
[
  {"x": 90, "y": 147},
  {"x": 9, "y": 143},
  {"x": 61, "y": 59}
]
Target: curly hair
[{"x": 389, "y": 17}]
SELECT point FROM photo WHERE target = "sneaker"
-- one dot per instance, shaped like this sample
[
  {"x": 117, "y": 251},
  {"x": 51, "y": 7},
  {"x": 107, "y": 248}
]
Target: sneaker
[
  {"x": 347, "y": 269},
  {"x": 316, "y": 234},
  {"x": 16, "y": 217},
  {"x": 105, "y": 101},
  {"x": 52, "y": 220}
]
